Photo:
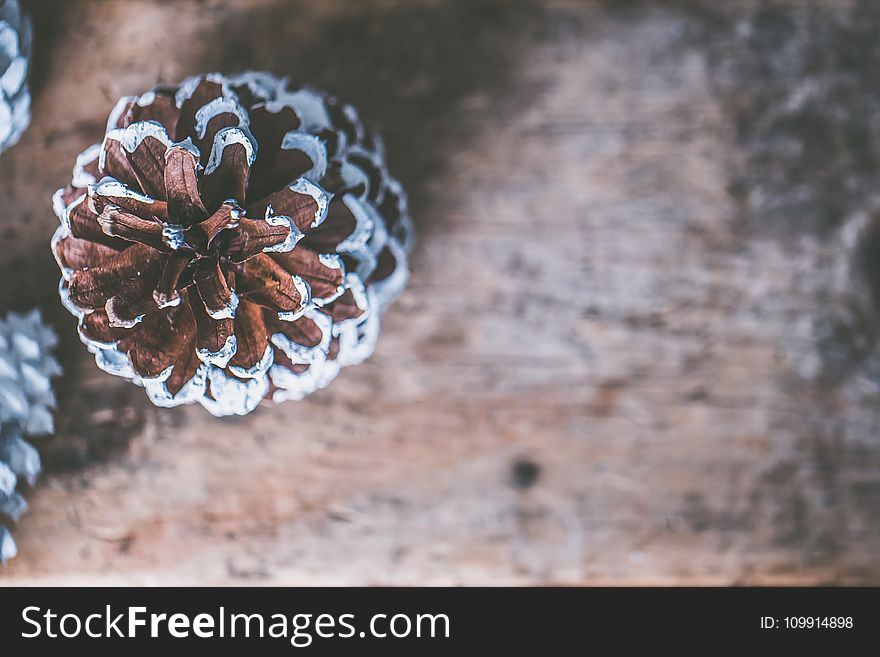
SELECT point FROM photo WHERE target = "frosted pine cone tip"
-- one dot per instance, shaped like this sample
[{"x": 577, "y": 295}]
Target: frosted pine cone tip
[
  {"x": 26, "y": 403},
  {"x": 15, "y": 46},
  {"x": 231, "y": 239}
]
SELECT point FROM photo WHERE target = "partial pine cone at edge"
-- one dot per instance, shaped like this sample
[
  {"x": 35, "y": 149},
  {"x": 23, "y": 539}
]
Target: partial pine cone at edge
[
  {"x": 15, "y": 52},
  {"x": 231, "y": 239}
]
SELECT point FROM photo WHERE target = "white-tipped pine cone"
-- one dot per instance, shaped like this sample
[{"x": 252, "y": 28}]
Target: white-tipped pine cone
[
  {"x": 15, "y": 47},
  {"x": 26, "y": 400},
  {"x": 232, "y": 239}
]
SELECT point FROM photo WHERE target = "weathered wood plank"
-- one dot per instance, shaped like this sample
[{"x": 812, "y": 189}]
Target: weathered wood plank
[{"x": 606, "y": 369}]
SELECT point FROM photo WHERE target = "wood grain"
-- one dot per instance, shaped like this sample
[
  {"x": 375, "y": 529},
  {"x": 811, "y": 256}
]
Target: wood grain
[{"x": 606, "y": 370}]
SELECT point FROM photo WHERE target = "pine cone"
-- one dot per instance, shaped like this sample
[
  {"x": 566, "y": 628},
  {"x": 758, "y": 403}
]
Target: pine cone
[
  {"x": 26, "y": 398},
  {"x": 231, "y": 239},
  {"x": 15, "y": 46}
]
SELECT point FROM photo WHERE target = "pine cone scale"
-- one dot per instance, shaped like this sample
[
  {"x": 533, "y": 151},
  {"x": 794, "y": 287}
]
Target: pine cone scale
[
  {"x": 215, "y": 338},
  {"x": 166, "y": 292},
  {"x": 92, "y": 287},
  {"x": 95, "y": 328},
  {"x": 255, "y": 237},
  {"x": 252, "y": 345},
  {"x": 304, "y": 203},
  {"x": 83, "y": 223},
  {"x": 75, "y": 253},
  {"x": 184, "y": 370},
  {"x": 181, "y": 186},
  {"x": 116, "y": 222},
  {"x": 231, "y": 154},
  {"x": 266, "y": 283},
  {"x": 110, "y": 191},
  {"x": 202, "y": 234},
  {"x": 324, "y": 273},
  {"x": 193, "y": 100},
  {"x": 219, "y": 300},
  {"x": 147, "y": 161},
  {"x": 158, "y": 341}
]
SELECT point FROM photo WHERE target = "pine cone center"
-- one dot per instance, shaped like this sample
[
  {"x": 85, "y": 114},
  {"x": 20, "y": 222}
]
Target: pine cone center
[{"x": 209, "y": 249}]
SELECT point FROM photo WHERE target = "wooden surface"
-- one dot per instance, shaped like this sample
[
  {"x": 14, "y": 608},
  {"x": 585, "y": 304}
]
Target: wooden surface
[{"x": 630, "y": 352}]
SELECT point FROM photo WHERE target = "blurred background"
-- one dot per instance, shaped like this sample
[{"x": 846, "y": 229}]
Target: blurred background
[{"x": 635, "y": 348}]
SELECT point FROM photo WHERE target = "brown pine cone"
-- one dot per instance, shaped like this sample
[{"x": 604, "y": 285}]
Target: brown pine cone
[{"x": 231, "y": 239}]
